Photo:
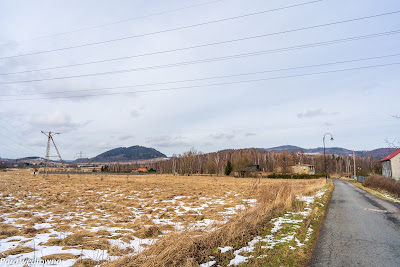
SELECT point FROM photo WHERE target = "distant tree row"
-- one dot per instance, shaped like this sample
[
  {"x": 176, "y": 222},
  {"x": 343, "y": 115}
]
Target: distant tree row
[{"x": 228, "y": 161}]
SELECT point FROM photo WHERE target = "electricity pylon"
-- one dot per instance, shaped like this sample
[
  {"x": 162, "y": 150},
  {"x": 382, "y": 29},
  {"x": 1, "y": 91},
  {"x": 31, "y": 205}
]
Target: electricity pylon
[
  {"x": 80, "y": 155},
  {"x": 50, "y": 137}
]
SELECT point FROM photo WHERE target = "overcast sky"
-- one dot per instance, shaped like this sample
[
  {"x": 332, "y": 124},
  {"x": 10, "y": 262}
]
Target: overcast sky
[{"x": 356, "y": 106}]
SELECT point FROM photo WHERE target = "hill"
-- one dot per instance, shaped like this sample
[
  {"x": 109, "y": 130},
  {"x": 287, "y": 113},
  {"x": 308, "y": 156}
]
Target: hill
[
  {"x": 132, "y": 153},
  {"x": 318, "y": 150},
  {"x": 379, "y": 153},
  {"x": 283, "y": 148},
  {"x": 376, "y": 153}
]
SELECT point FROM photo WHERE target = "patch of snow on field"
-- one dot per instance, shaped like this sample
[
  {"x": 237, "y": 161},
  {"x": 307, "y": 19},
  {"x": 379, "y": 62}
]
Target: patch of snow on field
[
  {"x": 250, "y": 200},
  {"x": 208, "y": 264},
  {"x": 80, "y": 215},
  {"x": 225, "y": 249}
]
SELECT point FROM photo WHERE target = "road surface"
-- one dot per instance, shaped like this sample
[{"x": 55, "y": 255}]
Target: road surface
[{"x": 359, "y": 230}]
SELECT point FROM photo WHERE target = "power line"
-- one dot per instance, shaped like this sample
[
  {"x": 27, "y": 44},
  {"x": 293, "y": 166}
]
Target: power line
[
  {"x": 310, "y": 45},
  {"x": 17, "y": 142},
  {"x": 12, "y": 151},
  {"x": 152, "y": 33},
  {"x": 22, "y": 138},
  {"x": 18, "y": 135},
  {"x": 261, "y": 129},
  {"x": 207, "y": 85},
  {"x": 213, "y": 77},
  {"x": 258, "y": 36},
  {"x": 112, "y": 23}
]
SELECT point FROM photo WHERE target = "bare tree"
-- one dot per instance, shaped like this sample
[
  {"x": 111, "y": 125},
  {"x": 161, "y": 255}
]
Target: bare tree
[
  {"x": 285, "y": 161},
  {"x": 393, "y": 143}
]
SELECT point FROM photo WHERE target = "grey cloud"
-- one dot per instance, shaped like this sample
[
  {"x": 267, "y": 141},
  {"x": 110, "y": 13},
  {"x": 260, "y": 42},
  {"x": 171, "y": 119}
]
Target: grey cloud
[
  {"x": 168, "y": 141},
  {"x": 126, "y": 137},
  {"x": 315, "y": 113},
  {"x": 103, "y": 145},
  {"x": 219, "y": 136},
  {"x": 134, "y": 113},
  {"x": 57, "y": 119}
]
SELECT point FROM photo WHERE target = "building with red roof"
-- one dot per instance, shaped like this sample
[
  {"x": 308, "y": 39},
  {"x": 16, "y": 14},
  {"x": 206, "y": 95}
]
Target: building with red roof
[{"x": 391, "y": 165}]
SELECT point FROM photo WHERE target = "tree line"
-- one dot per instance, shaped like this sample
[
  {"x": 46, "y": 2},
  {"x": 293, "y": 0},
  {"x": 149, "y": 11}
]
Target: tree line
[{"x": 194, "y": 162}]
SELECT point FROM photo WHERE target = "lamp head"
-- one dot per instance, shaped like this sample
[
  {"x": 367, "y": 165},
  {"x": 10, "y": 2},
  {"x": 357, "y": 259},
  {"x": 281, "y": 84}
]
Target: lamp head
[{"x": 331, "y": 138}]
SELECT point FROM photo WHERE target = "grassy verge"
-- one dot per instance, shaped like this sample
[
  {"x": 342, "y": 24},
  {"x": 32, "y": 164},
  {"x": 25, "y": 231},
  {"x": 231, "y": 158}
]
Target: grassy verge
[
  {"x": 292, "y": 239},
  {"x": 382, "y": 194}
]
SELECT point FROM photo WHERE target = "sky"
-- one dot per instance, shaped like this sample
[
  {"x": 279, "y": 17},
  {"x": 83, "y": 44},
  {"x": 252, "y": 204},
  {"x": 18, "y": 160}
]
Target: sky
[{"x": 190, "y": 77}]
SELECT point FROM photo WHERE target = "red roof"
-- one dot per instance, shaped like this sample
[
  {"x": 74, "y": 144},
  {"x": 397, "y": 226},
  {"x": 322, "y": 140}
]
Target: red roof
[{"x": 392, "y": 155}]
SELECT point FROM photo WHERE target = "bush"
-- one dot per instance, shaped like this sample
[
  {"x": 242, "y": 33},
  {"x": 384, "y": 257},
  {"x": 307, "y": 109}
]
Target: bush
[
  {"x": 383, "y": 183},
  {"x": 228, "y": 168},
  {"x": 295, "y": 176}
]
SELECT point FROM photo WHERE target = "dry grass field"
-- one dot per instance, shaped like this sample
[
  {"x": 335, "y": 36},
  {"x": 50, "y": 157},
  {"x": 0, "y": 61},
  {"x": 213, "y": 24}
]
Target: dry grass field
[{"x": 89, "y": 220}]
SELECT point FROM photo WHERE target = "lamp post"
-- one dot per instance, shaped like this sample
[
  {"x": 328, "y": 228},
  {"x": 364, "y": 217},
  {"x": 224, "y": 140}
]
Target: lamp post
[{"x": 323, "y": 139}]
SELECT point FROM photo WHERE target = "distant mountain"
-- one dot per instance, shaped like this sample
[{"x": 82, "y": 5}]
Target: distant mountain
[
  {"x": 376, "y": 153},
  {"x": 283, "y": 148},
  {"x": 29, "y": 158},
  {"x": 128, "y": 154},
  {"x": 332, "y": 150},
  {"x": 379, "y": 153}
]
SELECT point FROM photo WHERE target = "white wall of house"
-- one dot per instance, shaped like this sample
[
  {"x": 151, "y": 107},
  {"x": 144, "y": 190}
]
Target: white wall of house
[{"x": 395, "y": 162}]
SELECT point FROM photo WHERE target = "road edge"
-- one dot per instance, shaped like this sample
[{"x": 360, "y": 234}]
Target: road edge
[
  {"x": 373, "y": 192},
  {"x": 320, "y": 222}
]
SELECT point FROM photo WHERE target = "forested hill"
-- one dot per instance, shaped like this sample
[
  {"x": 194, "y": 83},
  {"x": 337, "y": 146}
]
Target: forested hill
[{"x": 128, "y": 154}]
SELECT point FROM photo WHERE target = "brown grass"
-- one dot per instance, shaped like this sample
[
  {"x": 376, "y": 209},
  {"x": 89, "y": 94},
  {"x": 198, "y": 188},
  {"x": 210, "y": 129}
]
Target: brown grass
[
  {"x": 7, "y": 230},
  {"x": 60, "y": 256},
  {"x": 384, "y": 183},
  {"x": 86, "y": 263},
  {"x": 17, "y": 250},
  {"x": 88, "y": 201},
  {"x": 191, "y": 248}
]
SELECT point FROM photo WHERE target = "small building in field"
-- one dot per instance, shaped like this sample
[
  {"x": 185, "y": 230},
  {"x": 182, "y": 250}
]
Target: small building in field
[
  {"x": 251, "y": 171},
  {"x": 391, "y": 165},
  {"x": 303, "y": 169}
]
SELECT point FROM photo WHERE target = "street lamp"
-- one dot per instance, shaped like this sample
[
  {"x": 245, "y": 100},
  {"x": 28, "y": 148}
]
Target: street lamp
[{"x": 323, "y": 139}]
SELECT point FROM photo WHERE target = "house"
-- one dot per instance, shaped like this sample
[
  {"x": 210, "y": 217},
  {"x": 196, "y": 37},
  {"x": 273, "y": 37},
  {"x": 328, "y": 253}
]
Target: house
[
  {"x": 250, "y": 171},
  {"x": 303, "y": 169},
  {"x": 391, "y": 165},
  {"x": 298, "y": 169}
]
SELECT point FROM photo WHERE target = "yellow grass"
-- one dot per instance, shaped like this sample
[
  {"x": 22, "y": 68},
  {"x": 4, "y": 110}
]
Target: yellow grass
[{"x": 90, "y": 211}]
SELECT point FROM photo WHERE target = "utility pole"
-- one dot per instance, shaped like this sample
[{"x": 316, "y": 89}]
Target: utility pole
[
  {"x": 348, "y": 167},
  {"x": 323, "y": 140},
  {"x": 50, "y": 138},
  {"x": 354, "y": 161}
]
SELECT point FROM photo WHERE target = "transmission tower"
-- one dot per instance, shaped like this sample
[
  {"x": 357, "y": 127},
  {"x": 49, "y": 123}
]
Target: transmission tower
[
  {"x": 50, "y": 137},
  {"x": 80, "y": 155}
]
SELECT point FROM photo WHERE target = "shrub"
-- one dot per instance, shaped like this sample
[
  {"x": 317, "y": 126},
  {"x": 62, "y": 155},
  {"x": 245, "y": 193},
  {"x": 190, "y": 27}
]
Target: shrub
[
  {"x": 295, "y": 176},
  {"x": 228, "y": 168},
  {"x": 384, "y": 183}
]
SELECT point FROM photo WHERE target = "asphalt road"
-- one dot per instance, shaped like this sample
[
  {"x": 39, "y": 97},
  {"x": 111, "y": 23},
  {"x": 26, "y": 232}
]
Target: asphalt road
[{"x": 359, "y": 230}]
